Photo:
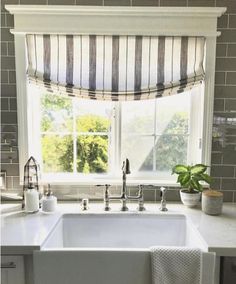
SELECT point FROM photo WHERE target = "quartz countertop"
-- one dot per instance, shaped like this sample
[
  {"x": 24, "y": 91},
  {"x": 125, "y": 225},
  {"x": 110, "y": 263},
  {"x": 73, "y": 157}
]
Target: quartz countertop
[{"x": 22, "y": 233}]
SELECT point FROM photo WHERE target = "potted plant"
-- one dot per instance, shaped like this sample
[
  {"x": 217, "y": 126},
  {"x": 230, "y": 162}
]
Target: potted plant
[{"x": 189, "y": 178}]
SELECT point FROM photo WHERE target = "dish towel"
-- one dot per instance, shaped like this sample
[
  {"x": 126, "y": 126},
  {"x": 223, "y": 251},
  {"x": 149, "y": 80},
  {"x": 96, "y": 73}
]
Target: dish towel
[{"x": 176, "y": 265}]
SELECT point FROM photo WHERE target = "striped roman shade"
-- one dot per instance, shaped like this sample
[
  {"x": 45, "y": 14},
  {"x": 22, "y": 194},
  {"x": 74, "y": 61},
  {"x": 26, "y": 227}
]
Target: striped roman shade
[{"x": 115, "y": 67}]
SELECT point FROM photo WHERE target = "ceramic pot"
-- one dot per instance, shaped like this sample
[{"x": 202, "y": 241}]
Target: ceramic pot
[
  {"x": 190, "y": 199},
  {"x": 212, "y": 202}
]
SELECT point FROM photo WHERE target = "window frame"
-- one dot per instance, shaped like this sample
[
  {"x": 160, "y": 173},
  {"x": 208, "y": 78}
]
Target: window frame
[
  {"x": 34, "y": 131},
  {"x": 156, "y": 21}
]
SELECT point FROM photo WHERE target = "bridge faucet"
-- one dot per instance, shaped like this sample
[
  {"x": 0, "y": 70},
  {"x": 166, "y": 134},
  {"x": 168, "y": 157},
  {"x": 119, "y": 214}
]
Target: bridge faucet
[{"x": 124, "y": 196}]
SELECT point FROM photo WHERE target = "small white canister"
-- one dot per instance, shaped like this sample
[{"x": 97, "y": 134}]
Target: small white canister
[
  {"x": 49, "y": 202},
  {"x": 31, "y": 196},
  {"x": 212, "y": 202}
]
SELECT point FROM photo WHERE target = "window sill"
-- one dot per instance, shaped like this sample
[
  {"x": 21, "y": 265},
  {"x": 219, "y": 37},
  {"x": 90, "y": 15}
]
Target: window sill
[{"x": 111, "y": 181}]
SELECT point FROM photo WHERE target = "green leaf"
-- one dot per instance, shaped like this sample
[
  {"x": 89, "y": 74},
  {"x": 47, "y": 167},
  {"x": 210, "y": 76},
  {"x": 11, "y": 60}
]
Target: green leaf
[
  {"x": 179, "y": 169},
  {"x": 206, "y": 178},
  {"x": 185, "y": 178},
  {"x": 198, "y": 169},
  {"x": 196, "y": 185}
]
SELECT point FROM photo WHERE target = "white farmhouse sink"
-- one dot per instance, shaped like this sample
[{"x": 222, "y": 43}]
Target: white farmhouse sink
[
  {"x": 109, "y": 247},
  {"x": 119, "y": 230}
]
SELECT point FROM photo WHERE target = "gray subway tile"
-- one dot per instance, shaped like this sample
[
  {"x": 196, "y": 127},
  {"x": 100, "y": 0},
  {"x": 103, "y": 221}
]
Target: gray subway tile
[
  {"x": 216, "y": 158},
  {"x": 227, "y": 196},
  {"x": 61, "y": 2},
  {"x": 4, "y": 104},
  {"x": 219, "y": 105},
  {"x": 229, "y": 154},
  {"x": 9, "y": 117},
  {"x": 145, "y": 3},
  {"x": 4, "y": 77},
  {"x": 222, "y": 171},
  {"x": 11, "y": 48},
  {"x": 227, "y": 36},
  {"x": 201, "y": 3},
  {"x": 219, "y": 78},
  {"x": 232, "y": 21},
  {"x": 13, "y": 104},
  {"x": 230, "y": 4},
  {"x": 231, "y": 78},
  {"x": 225, "y": 91},
  {"x": 8, "y": 128},
  {"x": 117, "y": 2},
  {"x": 149, "y": 195},
  {"x": 231, "y": 139},
  {"x": 16, "y": 182},
  {"x": 172, "y": 195},
  {"x": 216, "y": 183},
  {"x": 223, "y": 21},
  {"x": 12, "y": 77},
  {"x": 228, "y": 184},
  {"x": 8, "y": 90},
  {"x": 90, "y": 2},
  {"x": 6, "y": 35},
  {"x": 225, "y": 64},
  {"x": 7, "y": 63},
  {"x": 3, "y": 48},
  {"x": 231, "y": 49},
  {"x": 9, "y": 21},
  {"x": 230, "y": 105},
  {"x": 11, "y": 169},
  {"x": 221, "y": 49},
  {"x": 9, "y": 183},
  {"x": 3, "y": 20},
  {"x": 35, "y": 2},
  {"x": 173, "y": 3}
]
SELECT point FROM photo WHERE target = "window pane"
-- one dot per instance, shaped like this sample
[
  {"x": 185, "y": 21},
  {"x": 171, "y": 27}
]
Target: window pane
[
  {"x": 170, "y": 150},
  {"x": 139, "y": 150},
  {"x": 92, "y": 154},
  {"x": 173, "y": 114},
  {"x": 93, "y": 116},
  {"x": 138, "y": 117},
  {"x": 57, "y": 152},
  {"x": 56, "y": 113}
]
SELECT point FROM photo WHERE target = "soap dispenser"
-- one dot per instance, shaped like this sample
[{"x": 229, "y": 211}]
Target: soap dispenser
[
  {"x": 49, "y": 201},
  {"x": 31, "y": 197}
]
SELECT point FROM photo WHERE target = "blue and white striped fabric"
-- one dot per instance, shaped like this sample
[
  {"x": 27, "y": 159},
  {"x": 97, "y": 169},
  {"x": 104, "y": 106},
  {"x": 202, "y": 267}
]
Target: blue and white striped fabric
[{"x": 116, "y": 68}]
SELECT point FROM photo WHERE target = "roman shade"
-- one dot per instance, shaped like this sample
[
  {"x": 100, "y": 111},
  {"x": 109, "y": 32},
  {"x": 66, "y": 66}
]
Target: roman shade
[{"x": 106, "y": 67}]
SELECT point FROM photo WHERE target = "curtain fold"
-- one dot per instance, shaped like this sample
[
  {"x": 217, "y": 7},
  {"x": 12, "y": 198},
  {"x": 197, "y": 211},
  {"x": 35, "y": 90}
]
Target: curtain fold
[{"x": 115, "y": 67}]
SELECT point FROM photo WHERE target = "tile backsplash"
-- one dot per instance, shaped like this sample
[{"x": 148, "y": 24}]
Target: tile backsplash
[{"x": 223, "y": 167}]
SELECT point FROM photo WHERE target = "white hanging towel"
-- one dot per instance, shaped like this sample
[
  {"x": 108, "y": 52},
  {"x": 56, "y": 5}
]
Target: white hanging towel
[{"x": 181, "y": 265}]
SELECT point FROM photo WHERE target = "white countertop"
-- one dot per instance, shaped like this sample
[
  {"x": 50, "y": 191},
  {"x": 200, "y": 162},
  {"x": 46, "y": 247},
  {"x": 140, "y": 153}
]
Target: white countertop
[{"x": 22, "y": 233}]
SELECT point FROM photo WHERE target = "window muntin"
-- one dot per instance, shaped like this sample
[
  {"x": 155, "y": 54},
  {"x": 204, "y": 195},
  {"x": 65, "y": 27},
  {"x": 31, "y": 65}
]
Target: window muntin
[
  {"x": 155, "y": 134},
  {"x": 75, "y": 135},
  {"x": 144, "y": 131}
]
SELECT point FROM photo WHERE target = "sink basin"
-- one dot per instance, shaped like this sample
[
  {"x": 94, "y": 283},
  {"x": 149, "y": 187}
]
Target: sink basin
[
  {"x": 109, "y": 248},
  {"x": 122, "y": 231}
]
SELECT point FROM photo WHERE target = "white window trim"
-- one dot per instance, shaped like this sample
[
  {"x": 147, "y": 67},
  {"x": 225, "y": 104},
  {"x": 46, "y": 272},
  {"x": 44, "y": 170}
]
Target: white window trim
[{"x": 156, "y": 21}]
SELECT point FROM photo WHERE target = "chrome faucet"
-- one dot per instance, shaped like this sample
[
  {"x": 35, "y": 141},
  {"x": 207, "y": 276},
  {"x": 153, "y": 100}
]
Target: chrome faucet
[{"x": 124, "y": 196}]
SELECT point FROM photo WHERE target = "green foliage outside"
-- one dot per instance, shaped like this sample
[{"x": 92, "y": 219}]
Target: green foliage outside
[{"x": 92, "y": 150}]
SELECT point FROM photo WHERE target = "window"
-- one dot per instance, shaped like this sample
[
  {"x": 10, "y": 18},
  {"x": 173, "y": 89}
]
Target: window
[
  {"x": 89, "y": 139},
  {"x": 103, "y": 20}
]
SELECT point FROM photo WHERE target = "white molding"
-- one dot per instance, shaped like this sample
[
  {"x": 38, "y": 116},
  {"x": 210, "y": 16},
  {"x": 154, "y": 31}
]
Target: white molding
[
  {"x": 22, "y": 102},
  {"x": 113, "y": 20},
  {"x": 195, "y": 21}
]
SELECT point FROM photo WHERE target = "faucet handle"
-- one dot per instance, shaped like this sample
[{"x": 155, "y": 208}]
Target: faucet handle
[{"x": 163, "y": 191}]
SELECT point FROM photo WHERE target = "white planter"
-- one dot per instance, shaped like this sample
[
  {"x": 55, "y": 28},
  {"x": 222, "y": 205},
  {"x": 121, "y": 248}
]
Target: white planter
[{"x": 190, "y": 199}]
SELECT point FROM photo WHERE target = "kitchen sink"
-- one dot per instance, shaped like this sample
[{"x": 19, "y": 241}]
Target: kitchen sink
[{"x": 107, "y": 248}]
